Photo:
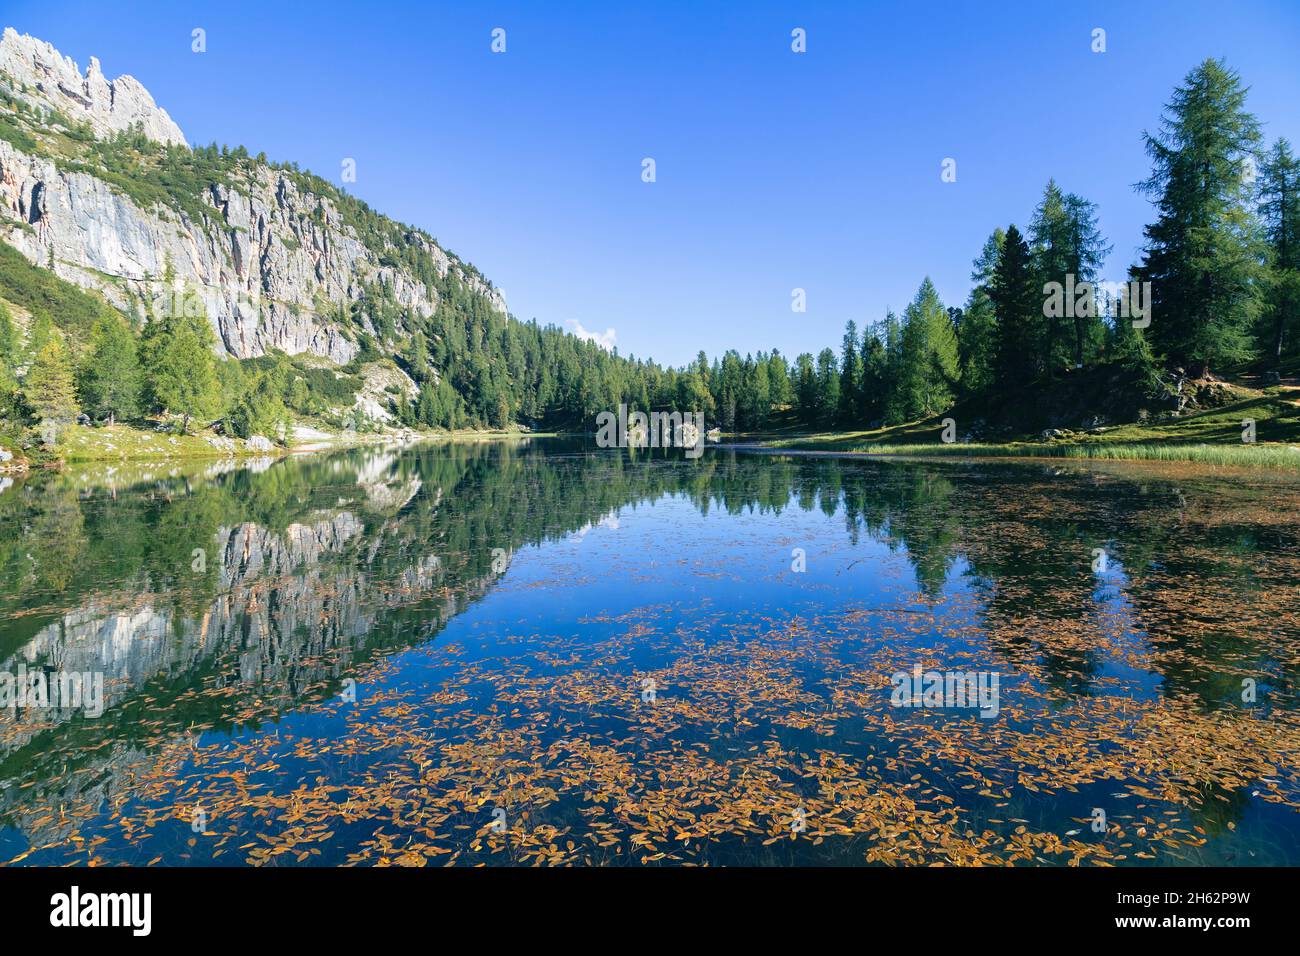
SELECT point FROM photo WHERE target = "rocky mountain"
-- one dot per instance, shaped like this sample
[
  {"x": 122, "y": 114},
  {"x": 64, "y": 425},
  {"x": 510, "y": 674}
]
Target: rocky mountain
[
  {"x": 54, "y": 83},
  {"x": 97, "y": 182}
]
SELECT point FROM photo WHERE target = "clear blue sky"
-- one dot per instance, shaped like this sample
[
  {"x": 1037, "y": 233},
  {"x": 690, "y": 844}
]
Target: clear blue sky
[{"x": 775, "y": 170}]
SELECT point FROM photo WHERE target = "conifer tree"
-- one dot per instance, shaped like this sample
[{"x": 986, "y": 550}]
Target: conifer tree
[
  {"x": 1279, "y": 193},
  {"x": 927, "y": 374},
  {"x": 10, "y": 352},
  {"x": 110, "y": 375},
  {"x": 1202, "y": 257},
  {"x": 49, "y": 388},
  {"x": 1068, "y": 250},
  {"x": 977, "y": 335},
  {"x": 1018, "y": 308},
  {"x": 180, "y": 367}
]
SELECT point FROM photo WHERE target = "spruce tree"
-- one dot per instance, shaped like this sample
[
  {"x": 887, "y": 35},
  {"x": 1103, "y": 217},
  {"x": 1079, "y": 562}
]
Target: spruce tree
[
  {"x": 1068, "y": 250},
  {"x": 1018, "y": 307},
  {"x": 828, "y": 388},
  {"x": 850, "y": 399},
  {"x": 977, "y": 336},
  {"x": 928, "y": 370},
  {"x": 10, "y": 352},
  {"x": 180, "y": 368}
]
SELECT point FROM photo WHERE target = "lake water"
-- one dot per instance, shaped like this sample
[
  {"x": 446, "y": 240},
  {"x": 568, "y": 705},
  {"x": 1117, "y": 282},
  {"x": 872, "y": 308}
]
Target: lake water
[{"x": 541, "y": 653}]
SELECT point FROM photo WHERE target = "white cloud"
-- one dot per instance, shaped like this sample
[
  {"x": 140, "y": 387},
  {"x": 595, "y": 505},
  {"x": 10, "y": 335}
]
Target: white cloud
[{"x": 605, "y": 340}]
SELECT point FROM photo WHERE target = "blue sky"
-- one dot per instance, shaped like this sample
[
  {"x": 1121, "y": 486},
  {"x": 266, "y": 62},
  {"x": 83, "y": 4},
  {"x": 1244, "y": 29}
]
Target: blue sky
[{"x": 775, "y": 170}]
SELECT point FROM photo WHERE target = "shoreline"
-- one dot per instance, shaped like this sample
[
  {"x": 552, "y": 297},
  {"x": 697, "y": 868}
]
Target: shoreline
[
  {"x": 198, "y": 448},
  {"x": 1259, "y": 457}
]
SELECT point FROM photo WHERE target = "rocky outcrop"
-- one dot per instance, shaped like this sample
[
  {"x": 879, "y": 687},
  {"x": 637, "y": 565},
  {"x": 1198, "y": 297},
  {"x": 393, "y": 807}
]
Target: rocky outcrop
[
  {"x": 51, "y": 81},
  {"x": 274, "y": 263}
]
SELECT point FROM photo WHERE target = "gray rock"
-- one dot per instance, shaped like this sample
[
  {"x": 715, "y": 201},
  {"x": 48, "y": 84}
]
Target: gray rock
[
  {"x": 271, "y": 263},
  {"x": 54, "y": 81}
]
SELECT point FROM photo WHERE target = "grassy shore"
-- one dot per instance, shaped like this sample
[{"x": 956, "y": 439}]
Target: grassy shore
[
  {"x": 1249, "y": 456},
  {"x": 79, "y": 443},
  {"x": 126, "y": 443},
  {"x": 1211, "y": 437}
]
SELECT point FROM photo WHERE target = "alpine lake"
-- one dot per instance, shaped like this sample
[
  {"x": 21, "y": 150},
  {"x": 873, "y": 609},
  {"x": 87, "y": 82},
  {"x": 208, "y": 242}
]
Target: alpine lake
[{"x": 537, "y": 652}]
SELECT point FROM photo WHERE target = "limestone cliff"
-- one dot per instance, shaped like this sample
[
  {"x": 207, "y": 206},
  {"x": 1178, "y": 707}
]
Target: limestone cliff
[{"x": 277, "y": 256}]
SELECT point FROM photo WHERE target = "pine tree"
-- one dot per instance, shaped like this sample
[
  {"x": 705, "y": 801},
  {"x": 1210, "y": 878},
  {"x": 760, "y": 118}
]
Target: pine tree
[
  {"x": 1279, "y": 194},
  {"x": 778, "y": 377},
  {"x": 110, "y": 376},
  {"x": 828, "y": 387},
  {"x": 850, "y": 375},
  {"x": 1201, "y": 256},
  {"x": 875, "y": 374},
  {"x": 10, "y": 353},
  {"x": 1068, "y": 250},
  {"x": 1049, "y": 246},
  {"x": 805, "y": 376},
  {"x": 261, "y": 410}
]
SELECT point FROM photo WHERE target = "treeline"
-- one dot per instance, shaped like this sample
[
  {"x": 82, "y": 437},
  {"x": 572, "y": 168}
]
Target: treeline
[
  {"x": 1217, "y": 286},
  {"x": 80, "y": 356}
]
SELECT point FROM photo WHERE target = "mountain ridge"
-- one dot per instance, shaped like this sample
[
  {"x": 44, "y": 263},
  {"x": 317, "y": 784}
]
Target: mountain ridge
[{"x": 275, "y": 254}]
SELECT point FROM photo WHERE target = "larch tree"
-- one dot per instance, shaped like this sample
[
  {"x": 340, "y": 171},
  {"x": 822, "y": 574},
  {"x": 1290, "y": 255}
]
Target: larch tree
[
  {"x": 1279, "y": 195},
  {"x": 110, "y": 376},
  {"x": 49, "y": 388},
  {"x": 1202, "y": 254}
]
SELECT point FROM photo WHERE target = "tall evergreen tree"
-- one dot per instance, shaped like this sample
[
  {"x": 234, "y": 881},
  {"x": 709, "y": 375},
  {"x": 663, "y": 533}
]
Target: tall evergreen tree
[
  {"x": 49, "y": 388},
  {"x": 180, "y": 367},
  {"x": 828, "y": 387},
  {"x": 850, "y": 375},
  {"x": 110, "y": 376},
  {"x": 806, "y": 388},
  {"x": 778, "y": 377},
  {"x": 1018, "y": 306},
  {"x": 928, "y": 372},
  {"x": 1201, "y": 255},
  {"x": 1279, "y": 194},
  {"x": 977, "y": 335},
  {"x": 10, "y": 352},
  {"x": 1068, "y": 250},
  {"x": 875, "y": 376}
]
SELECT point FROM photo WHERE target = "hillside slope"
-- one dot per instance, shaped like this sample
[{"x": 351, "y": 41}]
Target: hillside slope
[{"x": 114, "y": 200}]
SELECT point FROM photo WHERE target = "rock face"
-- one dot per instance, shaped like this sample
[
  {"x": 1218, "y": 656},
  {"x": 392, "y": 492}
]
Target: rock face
[
  {"x": 55, "y": 82},
  {"x": 274, "y": 263}
]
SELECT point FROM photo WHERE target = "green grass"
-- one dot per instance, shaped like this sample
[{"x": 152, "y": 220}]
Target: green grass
[
  {"x": 125, "y": 443},
  {"x": 1213, "y": 436},
  {"x": 1248, "y": 456},
  {"x": 44, "y": 295},
  {"x": 79, "y": 443}
]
